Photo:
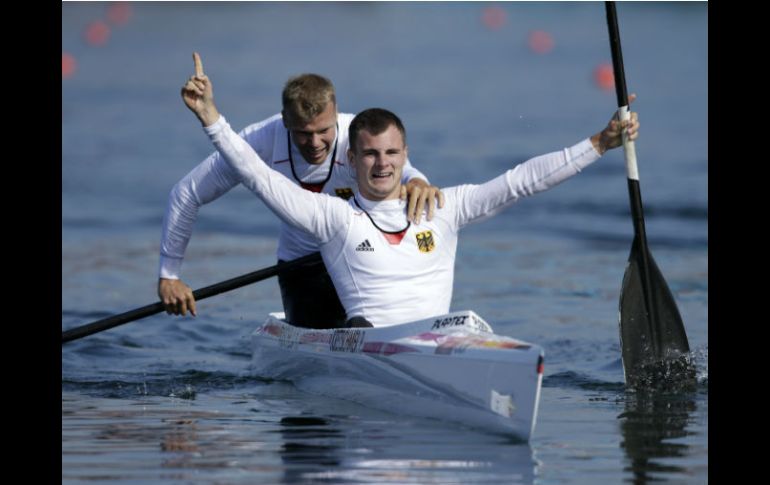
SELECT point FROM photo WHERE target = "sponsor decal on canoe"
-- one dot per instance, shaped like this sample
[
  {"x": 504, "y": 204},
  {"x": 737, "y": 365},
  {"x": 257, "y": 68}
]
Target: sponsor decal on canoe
[
  {"x": 315, "y": 337},
  {"x": 449, "y": 322},
  {"x": 344, "y": 192},
  {"x": 289, "y": 337},
  {"x": 454, "y": 344},
  {"x": 471, "y": 321},
  {"x": 347, "y": 341},
  {"x": 386, "y": 348},
  {"x": 425, "y": 241},
  {"x": 271, "y": 329},
  {"x": 479, "y": 324},
  {"x": 449, "y": 344},
  {"x": 502, "y": 404}
]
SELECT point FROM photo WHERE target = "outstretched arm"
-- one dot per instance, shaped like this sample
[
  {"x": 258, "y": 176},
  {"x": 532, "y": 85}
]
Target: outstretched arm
[
  {"x": 477, "y": 202},
  {"x": 318, "y": 214}
]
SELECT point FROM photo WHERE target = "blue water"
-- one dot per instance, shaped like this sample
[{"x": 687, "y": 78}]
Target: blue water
[{"x": 170, "y": 400}]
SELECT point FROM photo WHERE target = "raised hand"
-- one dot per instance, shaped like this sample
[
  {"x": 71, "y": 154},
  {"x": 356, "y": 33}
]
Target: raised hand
[{"x": 198, "y": 94}]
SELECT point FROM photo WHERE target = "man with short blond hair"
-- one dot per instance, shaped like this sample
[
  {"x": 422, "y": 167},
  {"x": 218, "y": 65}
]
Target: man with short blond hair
[{"x": 305, "y": 96}]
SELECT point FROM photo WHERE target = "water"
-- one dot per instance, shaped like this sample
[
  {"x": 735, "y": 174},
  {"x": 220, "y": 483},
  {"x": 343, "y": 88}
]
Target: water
[{"x": 170, "y": 400}]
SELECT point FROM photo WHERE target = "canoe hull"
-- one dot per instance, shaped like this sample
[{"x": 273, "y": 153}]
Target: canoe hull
[{"x": 451, "y": 368}]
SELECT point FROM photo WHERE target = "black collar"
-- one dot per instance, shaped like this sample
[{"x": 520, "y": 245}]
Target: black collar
[
  {"x": 399, "y": 232},
  {"x": 314, "y": 187}
]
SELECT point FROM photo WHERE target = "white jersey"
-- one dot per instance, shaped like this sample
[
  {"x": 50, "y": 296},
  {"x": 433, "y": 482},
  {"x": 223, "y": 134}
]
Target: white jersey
[
  {"x": 214, "y": 177},
  {"x": 407, "y": 275}
]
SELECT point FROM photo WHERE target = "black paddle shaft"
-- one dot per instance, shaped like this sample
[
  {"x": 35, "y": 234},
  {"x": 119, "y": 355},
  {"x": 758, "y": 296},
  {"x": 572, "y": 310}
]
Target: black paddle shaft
[
  {"x": 200, "y": 294},
  {"x": 617, "y": 54},
  {"x": 651, "y": 328},
  {"x": 634, "y": 191}
]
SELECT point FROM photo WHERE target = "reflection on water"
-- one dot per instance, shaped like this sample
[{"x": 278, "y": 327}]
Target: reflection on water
[
  {"x": 216, "y": 440},
  {"x": 182, "y": 436},
  {"x": 652, "y": 427},
  {"x": 329, "y": 449},
  {"x": 310, "y": 444}
]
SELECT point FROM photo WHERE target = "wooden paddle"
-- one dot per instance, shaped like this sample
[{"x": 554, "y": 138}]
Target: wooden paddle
[
  {"x": 200, "y": 294},
  {"x": 651, "y": 329}
]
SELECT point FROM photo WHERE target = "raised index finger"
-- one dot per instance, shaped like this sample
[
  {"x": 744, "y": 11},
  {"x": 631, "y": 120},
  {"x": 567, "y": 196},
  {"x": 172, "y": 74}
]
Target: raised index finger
[{"x": 198, "y": 65}]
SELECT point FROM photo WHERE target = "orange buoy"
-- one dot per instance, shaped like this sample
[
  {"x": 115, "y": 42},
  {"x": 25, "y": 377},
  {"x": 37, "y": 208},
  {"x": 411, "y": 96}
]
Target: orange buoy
[
  {"x": 68, "y": 65},
  {"x": 540, "y": 42},
  {"x": 604, "y": 77},
  {"x": 97, "y": 33},
  {"x": 493, "y": 17},
  {"x": 119, "y": 13}
]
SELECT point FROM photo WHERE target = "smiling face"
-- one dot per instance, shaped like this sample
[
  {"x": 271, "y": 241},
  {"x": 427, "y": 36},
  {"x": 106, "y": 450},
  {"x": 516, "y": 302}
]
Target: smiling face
[
  {"x": 314, "y": 139},
  {"x": 379, "y": 161}
]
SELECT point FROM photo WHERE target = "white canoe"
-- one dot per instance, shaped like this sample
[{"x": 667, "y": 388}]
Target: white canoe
[{"x": 452, "y": 368}]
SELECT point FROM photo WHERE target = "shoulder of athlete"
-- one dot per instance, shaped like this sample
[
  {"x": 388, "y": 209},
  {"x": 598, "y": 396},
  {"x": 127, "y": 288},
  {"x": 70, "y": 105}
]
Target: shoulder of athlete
[
  {"x": 343, "y": 121},
  {"x": 266, "y": 126}
]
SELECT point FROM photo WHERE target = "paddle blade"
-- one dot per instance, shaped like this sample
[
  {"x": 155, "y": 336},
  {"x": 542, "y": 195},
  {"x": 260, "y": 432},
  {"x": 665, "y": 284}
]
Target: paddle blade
[{"x": 654, "y": 345}]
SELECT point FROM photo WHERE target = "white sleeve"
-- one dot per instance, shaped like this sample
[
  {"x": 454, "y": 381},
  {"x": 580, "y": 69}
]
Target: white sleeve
[
  {"x": 206, "y": 182},
  {"x": 410, "y": 172},
  {"x": 477, "y": 202},
  {"x": 319, "y": 214}
]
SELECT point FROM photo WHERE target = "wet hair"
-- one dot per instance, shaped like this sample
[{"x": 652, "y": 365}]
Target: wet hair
[
  {"x": 375, "y": 121},
  {"x": 306, "y": 96}
]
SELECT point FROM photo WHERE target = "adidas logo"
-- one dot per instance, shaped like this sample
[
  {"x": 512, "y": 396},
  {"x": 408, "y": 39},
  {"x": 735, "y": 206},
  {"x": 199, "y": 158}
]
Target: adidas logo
[{"x": 365, "y": 246}]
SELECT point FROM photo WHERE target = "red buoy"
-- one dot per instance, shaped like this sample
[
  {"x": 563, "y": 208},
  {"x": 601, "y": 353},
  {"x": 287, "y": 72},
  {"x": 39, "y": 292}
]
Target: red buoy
[
  {"x": 603, "y": 77},
  {"x": 493, "y": 17},
  {"x": 97, "y": 33},
  {"x": 119, "y": 13},
  {"x": 68, "y": 65},
  {"x": 540, "y": 42}
]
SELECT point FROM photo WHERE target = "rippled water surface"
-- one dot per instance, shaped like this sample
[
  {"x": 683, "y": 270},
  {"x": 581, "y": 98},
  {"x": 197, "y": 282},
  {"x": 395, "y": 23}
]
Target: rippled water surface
[{"x": 171, "y": 400}]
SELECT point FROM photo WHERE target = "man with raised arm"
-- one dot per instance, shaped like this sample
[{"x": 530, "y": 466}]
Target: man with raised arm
[
  {"x": 386, "y": 270},
  {"x": 308, "y": 143}
]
